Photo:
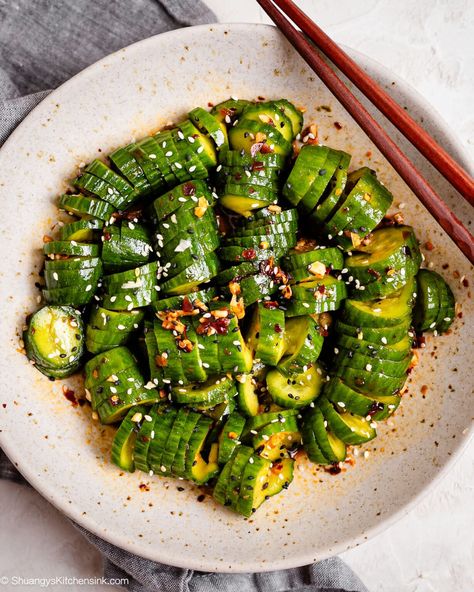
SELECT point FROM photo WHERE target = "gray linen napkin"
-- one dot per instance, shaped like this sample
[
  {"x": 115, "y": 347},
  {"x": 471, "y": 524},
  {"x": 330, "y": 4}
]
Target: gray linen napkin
[{"x": 42, "y": 44}]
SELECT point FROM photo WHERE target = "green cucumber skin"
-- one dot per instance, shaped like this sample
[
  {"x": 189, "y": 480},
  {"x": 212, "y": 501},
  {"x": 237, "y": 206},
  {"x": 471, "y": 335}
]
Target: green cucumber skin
[
  {"x": 70, "y": 346},
  {"x": 229, "y": 437},
  {"x": 127, "y": 431},
  {"x": 379, "y": 350},
  {"x": 435, "y": 305},
  {"x": 330, "y": 256}
]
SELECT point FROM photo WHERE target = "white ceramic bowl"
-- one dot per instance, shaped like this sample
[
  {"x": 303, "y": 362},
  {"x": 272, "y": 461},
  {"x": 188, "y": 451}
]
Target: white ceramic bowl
[{"x": 66, "y": 456}]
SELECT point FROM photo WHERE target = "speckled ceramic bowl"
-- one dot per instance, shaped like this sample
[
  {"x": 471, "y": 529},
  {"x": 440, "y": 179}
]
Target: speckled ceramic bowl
[{"x": 65, "y": 455}]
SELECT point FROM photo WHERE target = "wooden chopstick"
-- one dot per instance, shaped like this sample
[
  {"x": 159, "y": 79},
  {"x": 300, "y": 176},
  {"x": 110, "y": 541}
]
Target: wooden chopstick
[
  {"x": 398, "y": 116},
  {"x": 404, "y": 167}
]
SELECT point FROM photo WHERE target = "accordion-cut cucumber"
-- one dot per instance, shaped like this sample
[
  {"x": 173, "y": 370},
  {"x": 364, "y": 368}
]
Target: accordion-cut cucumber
[
  {"x": 54, "y": 340},
  {"x": 270, "y": 113},
  {"x": 351, "y": 429},
  {"x": 275, "y": 439},
  {"x": 123, "y": 444},
  {"x": 435, "y": 304},
  {"x": 304, "y": 256},
  {"x": 73, "y": 294},
  {"x": 386, "y": 312},
  {"x": 184, "y": 196},
  {"x": 320, "y": 443},
  {"x": 125, "y": 246},
  {"x": 248, "y": 133},
  {"x": 81, "y": 230},
  {"x": 365, "y": 205},
  {"x": 85, "y": 206},
  {"x": 214, "y": 391},
  {"x": 302, "y": 345},
  {"x": 229, "y": 436},
  {"x": 307, "y": 168},
  {"x": 266, "y": 334},
  {"x": 334, "y": 192},
  {"x": 71, "y": 248},
  {"x": 295, "y": 391},
  {"x": 209, "y": 125}
]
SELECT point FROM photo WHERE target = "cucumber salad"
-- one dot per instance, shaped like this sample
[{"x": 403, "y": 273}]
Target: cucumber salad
[{"x": 234, "y": 294}]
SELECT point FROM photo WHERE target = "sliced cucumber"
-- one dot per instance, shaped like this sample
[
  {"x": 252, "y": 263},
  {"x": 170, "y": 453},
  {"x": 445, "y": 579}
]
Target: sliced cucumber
[
  {"x": 302, "y": 346},
  {"x": 123, "y": 444},
  {"x": 295, "y": 391},
  {"x": 266, "y": 335},
  {"x": 54, "y": 340},
  {"x": 351, "y": 429}
]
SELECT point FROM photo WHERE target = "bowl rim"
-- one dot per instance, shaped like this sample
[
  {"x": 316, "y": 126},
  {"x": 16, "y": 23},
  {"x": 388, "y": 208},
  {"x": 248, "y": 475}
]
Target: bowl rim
[{"x": 453, "y": 145}]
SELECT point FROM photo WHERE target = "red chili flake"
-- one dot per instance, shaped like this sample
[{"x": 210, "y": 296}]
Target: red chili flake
[
  {"x": 375, "y": 407},
  {"x": 70, "y": 395},
  {"x": 220, "y": 326},
  {"x": 251, "y": 190},
  {"x": 226, "y": 112},
  {"x": 237, "y": 176},
  {"x": 201, "y": 498},
  {"x": 4, "y": 405},
  {"x": 368, "y": 153},
  {"x": 278, "y": 329},
  {"x": 107, "y": 236},
  {"x": 189, "y": 189},
  {"x": 334, "y": 469},
  {"x": 249, "y": 254},
  {"x": 161, "y": 361},
  {"x": 420, "y": 341},
  {"x": 374, "y": 273},
  {"x": 187, "y": 305},
  {"x": 271, "y": 304},
  {"x": 322, "y": 289},
  {"x": 261, "y": 147},
  {"x": 258, "y": 166},
  {"x": 465, "y": 283},
  {"x": 210, "y": 105},
  {"x": 337, "y": 125},
  {"x": 429, "y": 246},
  {"x": 144, "y": 487}
]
